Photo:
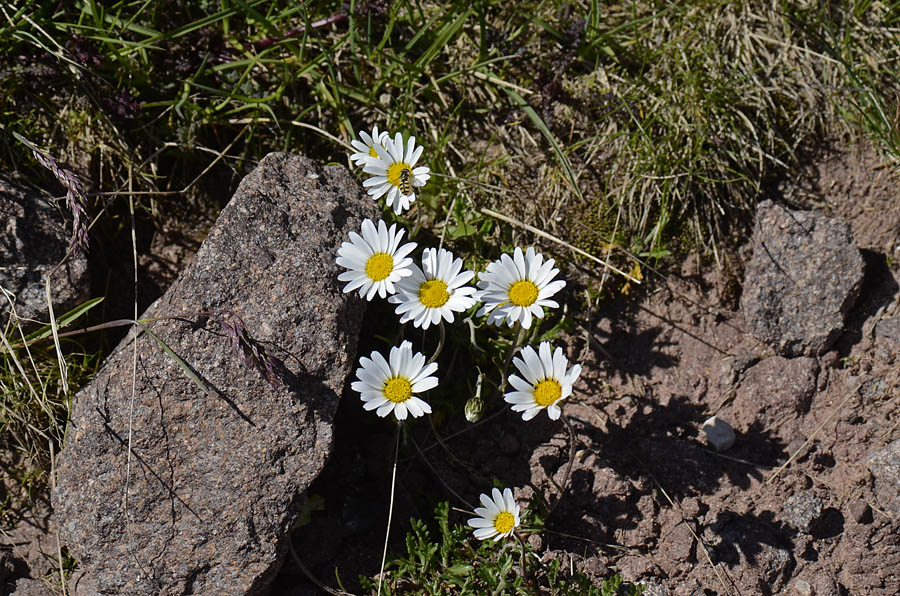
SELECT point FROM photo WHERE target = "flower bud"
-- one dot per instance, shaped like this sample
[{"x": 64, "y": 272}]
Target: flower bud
[{"x": 474, "y": 409}]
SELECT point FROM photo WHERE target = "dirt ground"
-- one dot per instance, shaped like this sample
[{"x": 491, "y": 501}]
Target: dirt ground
[{"x": 793, "y": 508}]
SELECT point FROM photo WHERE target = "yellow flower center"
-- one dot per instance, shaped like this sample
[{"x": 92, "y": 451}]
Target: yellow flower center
[
  {"x": 433, "y": 293},
  {"x": 372, "y": 152},
  {"x": 379, "y": 266},
  {"x": 394, "y": 173},
  {"x": 546, "y": 392},
  {"x": 504, "y": 522},
  {"x": 397, "y": 389},
  {"x": 523, "y": 293}
]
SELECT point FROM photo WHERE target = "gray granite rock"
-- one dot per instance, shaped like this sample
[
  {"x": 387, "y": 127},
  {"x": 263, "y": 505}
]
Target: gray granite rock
[
  {"x": 33, "y": 241},
  {"x": 804, "y": 277},
  {"x": 205, "y": 504},
  {"x": 801, "y": 587},
  {"x": 802, "y": 511},
  {"x": 885, "y": 467}
]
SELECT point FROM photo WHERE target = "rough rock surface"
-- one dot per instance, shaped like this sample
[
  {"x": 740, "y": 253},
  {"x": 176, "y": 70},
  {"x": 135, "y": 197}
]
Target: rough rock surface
[
  {"x": 654, "y": 589},
  {"x": 802, "y": 511},
  {"x": 34, "y": 240},
  {"x": 30, "y": 587},
  {"x": 885, "y": 467},
  {"x": 804, "y": 277},
  {"x": 759, "y": 561},
  {"x": 28, "y": 545},
  {"x": 774, "y": 392},
  {"x": 215, "y": 480},
  {"x": 875, "y": 569}
]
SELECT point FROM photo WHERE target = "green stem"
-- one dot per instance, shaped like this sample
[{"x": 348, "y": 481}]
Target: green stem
[
  {"x": 440, "y": 345},
  {"x": 520, "y": 332},
  {"x": 527, "y": 575}
]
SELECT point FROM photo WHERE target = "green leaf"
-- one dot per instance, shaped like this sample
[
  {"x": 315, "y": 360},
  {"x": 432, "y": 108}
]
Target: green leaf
[
  {"x": 64, "y": 320},
  {"x": 460, "y": 230},
  {"x": 188, "y": 370}
]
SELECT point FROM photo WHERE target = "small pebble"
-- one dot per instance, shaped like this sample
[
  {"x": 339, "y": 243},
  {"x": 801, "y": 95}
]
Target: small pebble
[
  {"x": 690, "y": 507},
  {"x": 794, "y": 447},
  {"x": 803, "y": 588},
  {"x": 861, "y": 512},
  {"x": 802, "y": 511},
  {"x": 831, "y": 359},
  {"x": 653, "y": 588},
  {"x": 718, "y": 433},
  {"x": 824, "y": 585}
]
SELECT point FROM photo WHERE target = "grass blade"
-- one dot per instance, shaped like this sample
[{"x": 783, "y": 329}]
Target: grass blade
[
  {"x": 539, "y": 122},
  {"x": 188, "y": 370},
  {"x": 64, "y": 320}
]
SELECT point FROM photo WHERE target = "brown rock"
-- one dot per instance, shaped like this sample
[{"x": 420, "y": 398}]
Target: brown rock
[
  {"x": 755, "y": 556},
  {"x": 824, "y": 585},
  {"x": 676, "y": 549},
  {"x": 861, "y": 512},
  {"x": 773, "y": 393},
  {"x": 870, "y": 566},
  {"x": 30, "y": 587}
]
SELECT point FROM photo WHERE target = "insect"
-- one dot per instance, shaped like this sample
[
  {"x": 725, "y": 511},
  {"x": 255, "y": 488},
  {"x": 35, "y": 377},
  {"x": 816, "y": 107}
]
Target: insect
[{"x": 405, "y": 183}]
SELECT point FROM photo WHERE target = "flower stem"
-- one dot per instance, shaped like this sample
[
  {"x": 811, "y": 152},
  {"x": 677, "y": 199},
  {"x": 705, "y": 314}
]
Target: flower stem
[
  {"x": 527, "y": 575},
  {"x": 440, "y": 345},
  {"x": 387, "y": 533},
  {"x": 565, "y": 482},
  {"x": 520, "y": 332}
]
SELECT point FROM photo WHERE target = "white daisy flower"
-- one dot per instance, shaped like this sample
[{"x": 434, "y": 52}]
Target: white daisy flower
[
  {"x": 517, "y": 288},
  {"x": 546, "y": 381},
  {"x": 434, "y": 291},
  {"x": 376, "y": 260},
  {"x": 498, "y": 518},
  {"x": 389, "y": 385},
  {"x": 395, "y": 173},
  {"x": 365, "y": 148}
]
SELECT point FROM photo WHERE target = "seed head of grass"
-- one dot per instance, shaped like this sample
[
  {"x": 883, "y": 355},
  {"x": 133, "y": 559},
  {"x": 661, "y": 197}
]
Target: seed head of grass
[
  {"x": 253, "y": 354},
  {"x": 75, "y": 199}
]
